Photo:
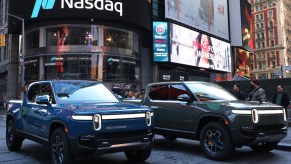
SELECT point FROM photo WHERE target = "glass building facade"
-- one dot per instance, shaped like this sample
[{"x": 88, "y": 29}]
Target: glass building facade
[{"x": 83, "y": 52}]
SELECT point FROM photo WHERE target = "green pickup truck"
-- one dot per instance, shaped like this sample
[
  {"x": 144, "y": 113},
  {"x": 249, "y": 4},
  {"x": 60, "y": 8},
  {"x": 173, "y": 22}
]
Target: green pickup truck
[{"x": 208, "y": 113}]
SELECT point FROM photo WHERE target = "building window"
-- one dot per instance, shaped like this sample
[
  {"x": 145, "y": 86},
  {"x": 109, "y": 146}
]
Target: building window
[
  {"x": 272, "y": 43},
  {"x": 262, "y": 76},
  {"x": 270, "y": 14},
  {"x": 258, "y": 45},
  {"x": 262, "y": 25},
  {"x": 262, "y": 35},
  {"x": 261, "y": 7},
  {"x": 261, "y": 16},
  {"x": 71, "y": 35},
  {"x": 271, "y": 34},
  {"x": 257, "y": 17},
  {"x": 273, "y": 65},
  {"x": 270, "y": 4},
  {"x": 32, "y": 39},
  {"x": 271, "y": 23},
  {"x": 257, "y": 8},
  {"x": 258, "y": 26},
  {"x": 118, "y": 38},
  {"x": 263, "y": 44}
]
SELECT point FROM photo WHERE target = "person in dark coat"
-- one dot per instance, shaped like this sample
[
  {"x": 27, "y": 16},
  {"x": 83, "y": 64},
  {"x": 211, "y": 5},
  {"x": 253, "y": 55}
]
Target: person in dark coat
[
  {"x": 238, "y": 93},
  {"x": 281, "y": 98}
]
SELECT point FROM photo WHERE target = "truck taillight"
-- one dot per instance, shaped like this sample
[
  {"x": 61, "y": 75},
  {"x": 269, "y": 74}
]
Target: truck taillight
[{"x": 97, "y": 122}]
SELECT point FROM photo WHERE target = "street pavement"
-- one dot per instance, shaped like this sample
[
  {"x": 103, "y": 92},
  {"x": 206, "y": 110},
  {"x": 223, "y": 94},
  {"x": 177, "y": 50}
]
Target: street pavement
[
  {"x": 285, "y": 144},
  {"x": 179, "y": 152}
]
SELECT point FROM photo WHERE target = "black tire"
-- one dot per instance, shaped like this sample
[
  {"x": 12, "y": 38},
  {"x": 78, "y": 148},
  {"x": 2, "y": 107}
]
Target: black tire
[
  {"x": 216, "y": 142},
  {"x": 170, "y": 138},
  {"x": 13, "y": 141},
  {"x": 265, "y": 147},
  {"x": 139, "y": 155},
  {"x": 59, "y": 148}
]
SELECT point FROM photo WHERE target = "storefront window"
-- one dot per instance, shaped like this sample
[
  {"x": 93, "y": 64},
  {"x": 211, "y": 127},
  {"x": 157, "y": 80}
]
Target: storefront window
[
  {"x": 32, "y": 39},
  {"x": 119, "y": 69},
  {"x": 72, "y": 66},
  {"x": 117, "y": 38},
  {"x": 31, "y": 69},
  {"x": 72, "y": 35}
]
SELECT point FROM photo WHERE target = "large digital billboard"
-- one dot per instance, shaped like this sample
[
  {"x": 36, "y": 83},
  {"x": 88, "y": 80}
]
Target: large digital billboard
[
  {"x": 242, "y": 63},
  {"x": 207, "y": 15},
  {"x": 160, "y": 41},
  {"x": 196, "y": 49},
  {"x": 246, "y": 22}
]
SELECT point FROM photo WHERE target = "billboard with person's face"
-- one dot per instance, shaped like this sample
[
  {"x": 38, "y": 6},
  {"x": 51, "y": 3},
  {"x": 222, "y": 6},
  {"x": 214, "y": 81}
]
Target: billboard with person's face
[
  {"x": 210, "y": 16},
  {"x": 197, "y": 49}
]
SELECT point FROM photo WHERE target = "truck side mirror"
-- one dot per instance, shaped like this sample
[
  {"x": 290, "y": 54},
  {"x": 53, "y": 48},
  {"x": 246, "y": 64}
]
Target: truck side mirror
[{"x": 43, "y": 99}]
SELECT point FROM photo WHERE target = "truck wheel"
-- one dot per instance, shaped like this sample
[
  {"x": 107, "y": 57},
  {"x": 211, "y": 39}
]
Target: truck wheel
[
  {"x": 264, "y": 147},
  {"x": 170, "y": 138},
  {"x": 139, "y": 155},
  {"x": 59, "y": 148},
  {"x": 216, "y": 142},
  {"x": 13, "y": 141}
]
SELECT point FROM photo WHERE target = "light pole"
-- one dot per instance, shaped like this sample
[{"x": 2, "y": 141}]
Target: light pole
[{"x": 22, "y": 55}]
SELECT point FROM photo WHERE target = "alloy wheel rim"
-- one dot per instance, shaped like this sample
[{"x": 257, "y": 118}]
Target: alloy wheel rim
[
  {"x": 58, "y": 150},
  {"x": 213, "y": 141}
]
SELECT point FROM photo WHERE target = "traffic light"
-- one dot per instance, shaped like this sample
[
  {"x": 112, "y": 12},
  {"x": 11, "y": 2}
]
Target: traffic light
[{"x": 2, "y": 40}]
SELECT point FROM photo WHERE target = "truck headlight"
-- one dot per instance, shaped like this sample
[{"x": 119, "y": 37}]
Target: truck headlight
[
  {"x": 97, "y": 122},
  {"x": 284, "y": 113},
  {"x": 81, "y": 118}
]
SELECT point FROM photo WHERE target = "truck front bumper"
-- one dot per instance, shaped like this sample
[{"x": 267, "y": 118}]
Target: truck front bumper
[
  {"x": 83, "y": 147},
  {"x": 242, "y": 136}
]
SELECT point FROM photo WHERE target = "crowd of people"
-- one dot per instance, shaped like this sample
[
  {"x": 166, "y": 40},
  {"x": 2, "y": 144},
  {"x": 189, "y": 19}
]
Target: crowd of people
[
  {"x": 133, "y": 95},
  {"x": 257, "y": 93}
]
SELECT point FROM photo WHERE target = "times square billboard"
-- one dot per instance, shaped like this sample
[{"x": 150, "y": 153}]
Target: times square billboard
[
  {"x": 192, "y": 48},
  {"x": 210, "y": 16}
]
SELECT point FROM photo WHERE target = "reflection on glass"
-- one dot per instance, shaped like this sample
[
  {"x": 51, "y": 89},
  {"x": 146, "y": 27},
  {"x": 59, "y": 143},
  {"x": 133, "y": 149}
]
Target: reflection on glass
[
  {"x": 118, "y": 38},
  {"x": 83, "y": 91},
  {"x": 209, "y": 91}
]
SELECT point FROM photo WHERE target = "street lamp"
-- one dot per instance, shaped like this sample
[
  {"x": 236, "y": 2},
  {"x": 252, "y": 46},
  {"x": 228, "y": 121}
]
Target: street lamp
[{"x": 21, "y": 60}]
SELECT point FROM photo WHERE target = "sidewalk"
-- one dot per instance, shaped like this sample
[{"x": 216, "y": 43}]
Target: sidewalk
[{"x": 285, "y": 144}]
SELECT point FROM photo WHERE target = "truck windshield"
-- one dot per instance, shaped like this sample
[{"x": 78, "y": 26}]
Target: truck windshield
[
  {"x": 209, "y": 91},
  {"x": 86, "y": 91}
]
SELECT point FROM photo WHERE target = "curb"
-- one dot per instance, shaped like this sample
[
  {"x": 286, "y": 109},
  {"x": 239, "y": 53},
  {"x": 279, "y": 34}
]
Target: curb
[{"x": 284, "y": 146}]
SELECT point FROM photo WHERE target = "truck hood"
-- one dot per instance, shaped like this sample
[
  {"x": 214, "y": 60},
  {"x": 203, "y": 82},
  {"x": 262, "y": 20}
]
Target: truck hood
[{"x": 103, "y": 108}]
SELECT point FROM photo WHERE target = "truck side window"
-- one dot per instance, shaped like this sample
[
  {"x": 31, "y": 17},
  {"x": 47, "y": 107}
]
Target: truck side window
[
  {"x": 46, "y": 89},
  {"x": 176, "y": 90},
  {"x": 32, "y": 93},
  {"x": 159, "y": 92}
]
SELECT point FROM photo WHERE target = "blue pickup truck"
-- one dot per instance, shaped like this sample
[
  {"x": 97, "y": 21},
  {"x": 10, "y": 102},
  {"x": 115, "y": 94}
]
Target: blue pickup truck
[{"x": 78, "y": 118}]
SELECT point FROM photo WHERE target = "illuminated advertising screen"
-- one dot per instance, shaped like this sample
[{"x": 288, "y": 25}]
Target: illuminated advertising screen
[
  {"x": 246, "y": 21},
  {"x": 207, "y": 15},
  {"x": 242, "y": 63},
  {"x": 160, "y": 41},
  {"x": 196, "y": 49}
]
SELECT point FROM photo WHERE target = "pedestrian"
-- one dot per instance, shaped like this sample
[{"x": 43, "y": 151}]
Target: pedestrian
[
  {"x": 238, "y": 93},
  {"x": 130, "y": 95},
  {"x": 259, "y": 93},
  {"x": 281, "y": 98}
]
